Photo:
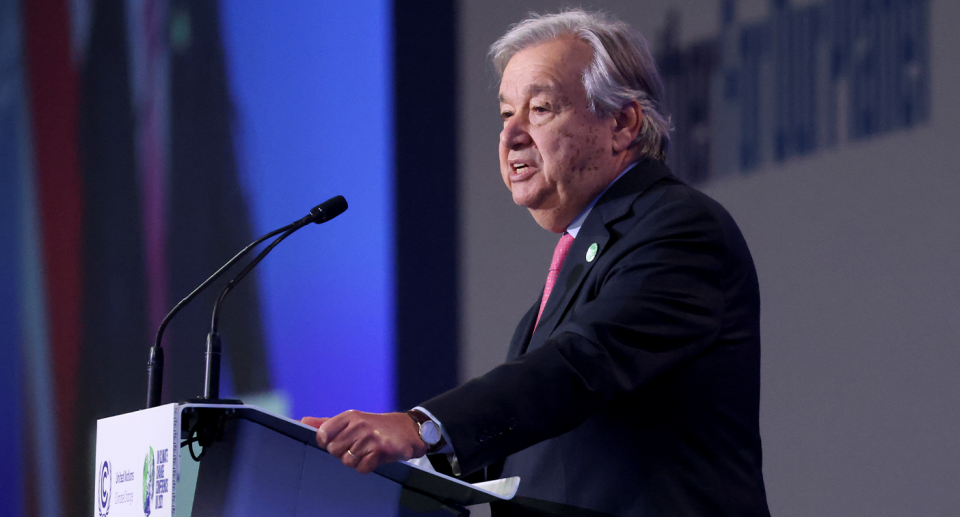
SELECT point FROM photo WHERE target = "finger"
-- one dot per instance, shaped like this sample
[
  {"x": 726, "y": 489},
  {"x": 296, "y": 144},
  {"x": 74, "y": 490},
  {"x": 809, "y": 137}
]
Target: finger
[
  {"x": 350, "y": 459},
  {"x": 365, "y": 445},
  {"x": 313, "y": 421},
  {"x": 328, "y": 431},
  {"x": 368, "y": 463},
  {"x": 358, "y": 435},
  {"x": 343, "y": 442},
  {"x": 354, "y": 437}
]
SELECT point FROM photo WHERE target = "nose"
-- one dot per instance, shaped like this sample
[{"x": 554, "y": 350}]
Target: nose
[{"x": 514, "y": 134}]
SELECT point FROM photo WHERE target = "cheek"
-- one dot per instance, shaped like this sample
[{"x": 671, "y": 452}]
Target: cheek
[
  {"x": 598, "y": 149},
  {"x": 557, "y": 147},
  {"x": 584, "y": 152}
]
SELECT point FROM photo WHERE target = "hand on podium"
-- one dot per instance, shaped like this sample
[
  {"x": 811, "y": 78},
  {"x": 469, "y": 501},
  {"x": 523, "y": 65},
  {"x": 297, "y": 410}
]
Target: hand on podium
[{"x": 365, "y": 441}]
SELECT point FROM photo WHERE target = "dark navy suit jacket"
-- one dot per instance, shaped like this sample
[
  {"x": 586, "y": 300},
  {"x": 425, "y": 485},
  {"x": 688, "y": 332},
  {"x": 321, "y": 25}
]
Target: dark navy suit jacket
[{"x": 638, "y": 393}]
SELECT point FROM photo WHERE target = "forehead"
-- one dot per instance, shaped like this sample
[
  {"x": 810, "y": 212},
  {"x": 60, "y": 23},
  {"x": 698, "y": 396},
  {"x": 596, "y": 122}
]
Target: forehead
[{"x": 555, "y": 65}]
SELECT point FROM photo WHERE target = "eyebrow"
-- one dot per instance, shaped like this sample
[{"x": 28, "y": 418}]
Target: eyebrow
[{"x": 532, "y": 90}]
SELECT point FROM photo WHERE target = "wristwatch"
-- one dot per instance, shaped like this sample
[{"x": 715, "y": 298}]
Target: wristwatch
[{"x": 429, "y": 430}]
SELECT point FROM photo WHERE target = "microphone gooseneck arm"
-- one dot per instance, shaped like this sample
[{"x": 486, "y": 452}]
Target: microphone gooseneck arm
[
  {"x": 318, "y": 214},
  {"x": 211, "y": 381},
  {"x": 173, "y": 312},
  {"x": 155, "y": 363},
  {"x": 215, "y": 321}
]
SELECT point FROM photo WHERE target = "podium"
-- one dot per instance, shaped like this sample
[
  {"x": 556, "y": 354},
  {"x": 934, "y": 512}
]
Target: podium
[{"x": 239, "y": 460}]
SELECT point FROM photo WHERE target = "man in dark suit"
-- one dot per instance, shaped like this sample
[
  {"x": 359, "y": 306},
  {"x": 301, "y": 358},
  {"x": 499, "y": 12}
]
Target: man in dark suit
[{"x": 632, "y": 385}]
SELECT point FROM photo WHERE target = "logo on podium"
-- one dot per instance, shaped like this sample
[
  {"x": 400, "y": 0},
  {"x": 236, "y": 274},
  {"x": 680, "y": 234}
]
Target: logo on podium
[
  {"x": 104, "y": 487},
  {"x": 149, "y": 474}
]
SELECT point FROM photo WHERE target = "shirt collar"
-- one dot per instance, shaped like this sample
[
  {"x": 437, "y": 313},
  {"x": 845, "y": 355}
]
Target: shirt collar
[{"x": 574, "y": 228}]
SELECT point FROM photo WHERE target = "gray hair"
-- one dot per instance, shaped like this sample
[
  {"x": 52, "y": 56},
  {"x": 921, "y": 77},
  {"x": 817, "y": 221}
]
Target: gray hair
[{"x": 622, "y": 69}]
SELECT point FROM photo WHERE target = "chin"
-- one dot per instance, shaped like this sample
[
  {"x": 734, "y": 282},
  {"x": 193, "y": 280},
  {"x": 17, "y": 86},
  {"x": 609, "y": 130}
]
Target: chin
[
  {"x": 531, "y": 197},
  {"x": 547, "y": 220},
  {"x": 525, "y": 201}
]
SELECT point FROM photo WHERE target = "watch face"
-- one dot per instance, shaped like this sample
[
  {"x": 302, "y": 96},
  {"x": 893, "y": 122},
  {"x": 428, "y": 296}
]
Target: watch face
[{"x": 430, "y": 432}]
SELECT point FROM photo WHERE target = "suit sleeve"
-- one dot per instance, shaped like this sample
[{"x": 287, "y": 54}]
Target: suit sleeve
[{"x": 653, "y": 301}]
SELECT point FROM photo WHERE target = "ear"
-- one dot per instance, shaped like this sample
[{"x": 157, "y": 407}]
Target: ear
[{"x": 626, "y": 126}]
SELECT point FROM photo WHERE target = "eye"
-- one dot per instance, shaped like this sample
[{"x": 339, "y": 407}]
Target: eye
[
  {"x": 540, "y": 109},
  {"x": 505, "y": 114}
]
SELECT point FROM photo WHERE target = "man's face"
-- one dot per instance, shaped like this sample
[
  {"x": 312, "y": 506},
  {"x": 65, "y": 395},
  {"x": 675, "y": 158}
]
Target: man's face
[{"x": 555, "y": 155}]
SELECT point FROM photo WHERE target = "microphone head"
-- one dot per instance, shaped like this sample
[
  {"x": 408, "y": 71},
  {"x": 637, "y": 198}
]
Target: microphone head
[{"x": 328, "y": 209}]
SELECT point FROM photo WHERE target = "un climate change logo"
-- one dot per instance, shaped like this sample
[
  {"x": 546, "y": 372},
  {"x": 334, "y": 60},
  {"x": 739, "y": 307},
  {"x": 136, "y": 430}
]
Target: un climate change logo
[
  {"x": 104, "y": 486},
  {"x": 149, "y": 472}
]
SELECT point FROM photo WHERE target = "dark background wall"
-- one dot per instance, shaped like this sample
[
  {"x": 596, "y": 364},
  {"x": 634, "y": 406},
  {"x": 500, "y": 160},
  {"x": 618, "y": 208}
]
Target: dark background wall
[{"x": 426, "y": 218}]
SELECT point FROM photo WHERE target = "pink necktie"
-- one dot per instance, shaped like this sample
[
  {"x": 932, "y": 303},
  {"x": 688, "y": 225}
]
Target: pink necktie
[{"x": 559, "y": 255}]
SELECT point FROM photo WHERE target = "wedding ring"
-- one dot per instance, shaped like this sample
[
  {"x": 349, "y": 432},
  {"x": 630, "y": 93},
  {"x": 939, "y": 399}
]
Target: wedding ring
[{"x": 352, "y": 454}]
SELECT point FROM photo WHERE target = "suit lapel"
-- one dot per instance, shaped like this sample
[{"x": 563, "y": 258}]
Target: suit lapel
[
  {"x": 614, "y": 205},
  {"x": 570, "y": 279}
]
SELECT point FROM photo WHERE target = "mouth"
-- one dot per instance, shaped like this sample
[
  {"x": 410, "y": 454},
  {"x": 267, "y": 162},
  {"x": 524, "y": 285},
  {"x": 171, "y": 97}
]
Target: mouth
[{"x": 520, "y": 171}]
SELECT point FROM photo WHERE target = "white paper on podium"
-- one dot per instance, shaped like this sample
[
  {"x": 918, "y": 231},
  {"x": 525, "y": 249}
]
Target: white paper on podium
[{"x": 504, "y": 488}]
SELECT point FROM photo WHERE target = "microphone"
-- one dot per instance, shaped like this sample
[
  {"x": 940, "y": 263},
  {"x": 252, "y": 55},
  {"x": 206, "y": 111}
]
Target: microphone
[
  {"x": 319, "y": 214},
  {"x": 328, "y": 209}
]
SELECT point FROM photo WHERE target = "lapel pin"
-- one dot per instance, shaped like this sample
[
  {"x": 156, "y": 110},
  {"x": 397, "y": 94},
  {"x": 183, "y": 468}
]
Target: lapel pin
[{"x": 592, "y": 252}]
